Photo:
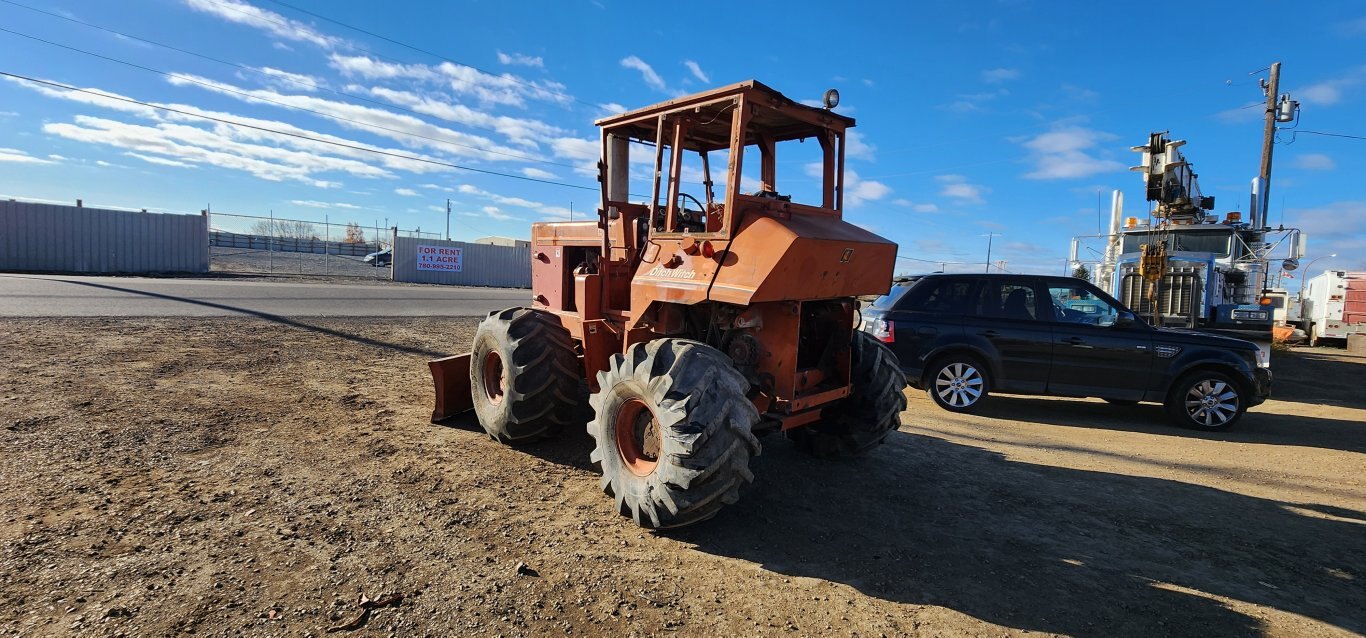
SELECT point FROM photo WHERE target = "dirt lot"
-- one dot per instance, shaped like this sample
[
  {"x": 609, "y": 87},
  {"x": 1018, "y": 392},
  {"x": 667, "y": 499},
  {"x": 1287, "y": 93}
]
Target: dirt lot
[
  {"x": 238, "y": 477},
  {"x": 260, "y": 262}
]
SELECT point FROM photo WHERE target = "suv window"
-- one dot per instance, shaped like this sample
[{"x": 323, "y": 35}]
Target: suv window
[
  {"x": 1007, "y": 299},
  {"x": 888, "y": 301},
  {"x": 940, "y": 295},
  {"x": 1077, "y": 304}
]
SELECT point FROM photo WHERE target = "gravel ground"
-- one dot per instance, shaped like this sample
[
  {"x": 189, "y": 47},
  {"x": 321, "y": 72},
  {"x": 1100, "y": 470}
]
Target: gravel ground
[
  {"x": 238, "y": 477},
  {"x": 261, "y": 262}
]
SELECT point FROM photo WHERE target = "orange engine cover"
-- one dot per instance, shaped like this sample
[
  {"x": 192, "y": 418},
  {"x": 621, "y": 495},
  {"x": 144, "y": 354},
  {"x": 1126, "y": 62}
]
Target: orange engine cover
[{"x": 772, "y": 258}]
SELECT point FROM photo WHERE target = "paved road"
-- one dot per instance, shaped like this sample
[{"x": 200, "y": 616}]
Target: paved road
[{"x": 74, "y": 296}]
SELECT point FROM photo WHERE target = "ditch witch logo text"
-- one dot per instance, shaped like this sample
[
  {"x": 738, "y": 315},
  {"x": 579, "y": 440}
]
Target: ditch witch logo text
[{"x": 660, "y": 271}]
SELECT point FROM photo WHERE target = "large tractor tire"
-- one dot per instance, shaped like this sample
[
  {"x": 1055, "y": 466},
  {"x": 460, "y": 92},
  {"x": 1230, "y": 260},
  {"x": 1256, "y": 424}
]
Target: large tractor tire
[
  {"x": 862, "y": 421},
  {"x": 524, "y": 375},
  {"x": 673, "y": 432}
]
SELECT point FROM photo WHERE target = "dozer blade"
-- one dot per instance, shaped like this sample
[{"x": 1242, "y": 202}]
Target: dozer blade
[{"x": 451, "y": 375}]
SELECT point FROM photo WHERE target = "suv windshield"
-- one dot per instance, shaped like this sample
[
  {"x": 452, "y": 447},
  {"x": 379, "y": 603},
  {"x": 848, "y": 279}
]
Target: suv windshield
[{"x": 1197, "y": 241}]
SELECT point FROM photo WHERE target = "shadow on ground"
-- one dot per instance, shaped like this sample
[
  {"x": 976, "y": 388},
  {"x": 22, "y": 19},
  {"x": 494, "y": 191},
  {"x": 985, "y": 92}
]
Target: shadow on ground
[
  {"x": 1256, "y": 426},
  {"x": 925, "y": 521}
]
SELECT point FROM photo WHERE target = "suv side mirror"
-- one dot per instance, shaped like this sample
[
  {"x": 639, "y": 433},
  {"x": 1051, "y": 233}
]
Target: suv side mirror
[{"x": 1124, "y": 319}]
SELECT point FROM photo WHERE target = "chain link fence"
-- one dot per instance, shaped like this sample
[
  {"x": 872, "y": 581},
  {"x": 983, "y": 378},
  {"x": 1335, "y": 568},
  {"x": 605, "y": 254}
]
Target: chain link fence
[{"x": 272, "y": 245}]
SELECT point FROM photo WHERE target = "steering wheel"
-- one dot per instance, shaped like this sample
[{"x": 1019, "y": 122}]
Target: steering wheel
[{"x": 693, "y": 224}]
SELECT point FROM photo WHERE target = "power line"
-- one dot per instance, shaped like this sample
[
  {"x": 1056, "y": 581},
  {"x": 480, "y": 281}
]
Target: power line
[
  {"x": 1343, "y": 135},
  {"x": 354, "y": 147},
  {"x": 339, "y": 118},
  {"x": 410, "y": 47},
  {"x": 245, "y": 67}
]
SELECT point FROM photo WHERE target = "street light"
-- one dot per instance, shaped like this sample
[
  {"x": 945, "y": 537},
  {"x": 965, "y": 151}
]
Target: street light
[{"x": 1300, "y": 295}]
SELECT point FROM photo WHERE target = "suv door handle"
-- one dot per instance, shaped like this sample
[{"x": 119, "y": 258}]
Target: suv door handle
[
  {"x": 990, "y": 334},
  {"x": 1076, "y": 341}
]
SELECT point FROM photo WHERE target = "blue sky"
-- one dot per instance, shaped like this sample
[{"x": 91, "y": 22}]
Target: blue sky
[{"x": 974, "y": 117}]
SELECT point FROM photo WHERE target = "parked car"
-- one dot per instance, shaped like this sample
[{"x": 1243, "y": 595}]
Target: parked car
[
  {"x": 381, "y": 258},
  {"x": 963, "y": 337}
]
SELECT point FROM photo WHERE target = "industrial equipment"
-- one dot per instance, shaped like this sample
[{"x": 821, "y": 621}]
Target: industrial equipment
[
  {"x": 718, "y": 309},
  {"x": 1183, "y": 266}
]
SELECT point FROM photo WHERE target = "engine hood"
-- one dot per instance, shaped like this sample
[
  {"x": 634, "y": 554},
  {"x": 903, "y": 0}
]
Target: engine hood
[{"x": 1196, "y": 337}]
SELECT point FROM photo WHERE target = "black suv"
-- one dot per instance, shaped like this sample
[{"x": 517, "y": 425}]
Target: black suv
[{"x": 963, "y": 336}]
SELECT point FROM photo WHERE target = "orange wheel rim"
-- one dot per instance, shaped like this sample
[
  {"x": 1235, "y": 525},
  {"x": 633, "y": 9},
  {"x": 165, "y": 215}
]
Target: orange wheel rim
[
  {"x": 638, "y": 437},
  {"x": 495, "y": 383}
]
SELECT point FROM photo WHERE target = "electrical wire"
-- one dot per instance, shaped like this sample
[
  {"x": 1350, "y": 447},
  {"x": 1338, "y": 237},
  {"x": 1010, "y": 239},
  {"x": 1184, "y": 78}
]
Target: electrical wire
[
  {"x": 264, "y": 129},
  {"x": 216, "y": 87},
  {"x": 1342, "y": 135},
  {"x": 245, "y": 67}
]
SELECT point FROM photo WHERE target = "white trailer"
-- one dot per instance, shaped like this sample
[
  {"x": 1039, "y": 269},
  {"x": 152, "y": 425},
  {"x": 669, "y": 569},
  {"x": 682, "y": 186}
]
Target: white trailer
[{"x": 1333, "y": 305}]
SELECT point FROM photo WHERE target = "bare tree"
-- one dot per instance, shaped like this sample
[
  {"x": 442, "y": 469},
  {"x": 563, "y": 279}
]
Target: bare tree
[
  {"x": 285, "y": 229},
  {"x": 354, "y": 234}
]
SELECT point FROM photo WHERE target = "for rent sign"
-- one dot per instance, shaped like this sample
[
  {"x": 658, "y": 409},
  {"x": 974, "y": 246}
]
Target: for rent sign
[{"x": 438, "y": 258}]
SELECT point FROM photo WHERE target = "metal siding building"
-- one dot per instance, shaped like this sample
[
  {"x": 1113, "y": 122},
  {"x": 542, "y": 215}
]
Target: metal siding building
[
  {"x": 56, "y": 238},
  {"x": 481, "y": 264}
]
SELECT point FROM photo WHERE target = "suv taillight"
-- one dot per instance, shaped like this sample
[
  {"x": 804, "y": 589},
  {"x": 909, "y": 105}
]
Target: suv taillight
[{"x": 883, "y": 330}]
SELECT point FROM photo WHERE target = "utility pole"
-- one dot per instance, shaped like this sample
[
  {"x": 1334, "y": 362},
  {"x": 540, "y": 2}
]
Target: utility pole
[
  {"x": 448, "y": 219},
  {"x": 1272, "y": 89},
  {"x": 989, "y": 236}
]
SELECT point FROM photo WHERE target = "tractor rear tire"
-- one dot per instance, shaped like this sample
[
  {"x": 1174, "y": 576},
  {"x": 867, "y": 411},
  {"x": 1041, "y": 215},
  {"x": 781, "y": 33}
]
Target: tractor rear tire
[
  {"x": 863, "y": 420},
  {"x": 524, "y": 375},
  {"x": 673, "y": 433}
]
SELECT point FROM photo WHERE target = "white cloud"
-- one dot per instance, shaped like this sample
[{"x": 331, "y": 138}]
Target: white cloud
[
  {"x": 919, "y": 208},
  {"x": 310, "y": 203},
  {"x": 856, "y": 148},
  {"x": 318, "y": 154},
  {"x": 858, "y": 191},
  {"x": 287, "y": 81},
  {"x": 997, "y": 76},
  {"x": 537, "y": 173},
  {"x": 612, "y": 108},
  {"x": 405, "y": 129},
  {"x": 195, "y": 145},
  {"x": 496, "y": 213},
  {"x": 16, "y": 156},
  {"x": 57, "y": 158},
  {"x": 1314, "y": 162},
  {"x": 696, "y": 71},
  {"x": 113, "y": 101},
  {"x": 958, "y": 188},
  {"x": 521, "y": 60},
  {"x": 520, "y": 202},
  {"x": 1064, "y": 153},
  {"x": 106, "y": 164},
  {"x": 646, "y": 72},
  {"x": 505, "y": 89},
  {"x": 522, "y": 131},
  {"x": 1323, "y": 93},
  {"x": 268, "y": 21},
  {"x": 406, "y": 192},
  {"x": 152, "y": 159}
]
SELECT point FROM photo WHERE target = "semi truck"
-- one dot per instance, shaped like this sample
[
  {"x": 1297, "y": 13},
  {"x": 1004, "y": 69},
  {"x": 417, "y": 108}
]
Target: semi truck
[{"x": 1184, "y": 266}]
